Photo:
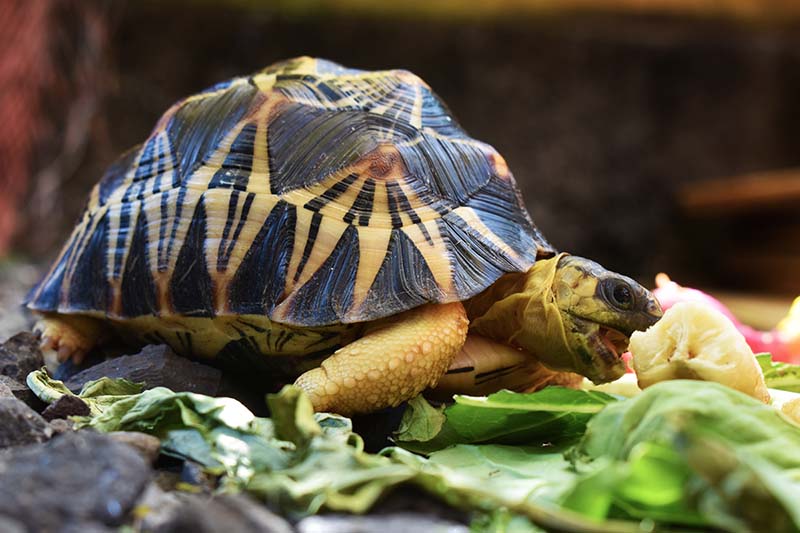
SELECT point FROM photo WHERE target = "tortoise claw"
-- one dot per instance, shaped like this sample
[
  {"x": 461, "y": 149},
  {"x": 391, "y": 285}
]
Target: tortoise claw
[
  {"x": 47, "y": 343},
  {"x": 68, "y": 338}
]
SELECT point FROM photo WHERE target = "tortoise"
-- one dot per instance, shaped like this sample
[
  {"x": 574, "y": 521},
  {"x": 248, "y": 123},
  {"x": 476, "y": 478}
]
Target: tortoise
[{"x": 337, "y": 225}]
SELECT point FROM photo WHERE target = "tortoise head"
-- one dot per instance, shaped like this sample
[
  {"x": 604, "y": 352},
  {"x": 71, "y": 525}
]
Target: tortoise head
[
  {"x": 570, "y": 312},
  {"x": 600, "y": 310}
]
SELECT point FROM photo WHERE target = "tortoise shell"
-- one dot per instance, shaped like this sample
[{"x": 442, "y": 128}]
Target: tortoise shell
[{"x": 308, "y": 192}]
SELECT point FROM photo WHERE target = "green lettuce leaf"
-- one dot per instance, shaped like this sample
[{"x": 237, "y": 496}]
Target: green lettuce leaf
[
  {"x": 691, "y": 453},
  {"x": 554, "y": 415},
  {"x": 650, "y": 484},
  {"x": 778, "y": 375}
]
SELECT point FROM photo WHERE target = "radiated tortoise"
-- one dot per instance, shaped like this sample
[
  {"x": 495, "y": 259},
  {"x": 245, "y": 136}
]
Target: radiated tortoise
[{"x": 340, "y": 226}]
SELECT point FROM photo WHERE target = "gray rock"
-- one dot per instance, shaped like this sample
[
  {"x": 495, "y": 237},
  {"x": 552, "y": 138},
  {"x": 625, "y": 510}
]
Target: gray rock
[
  {"x": 161, "y": 506},
  {"x": 10, "y": 383},
  {"x": 60, "y": 426},
  {"x": 76, "y": 478},
  {"x": 20, "y": 355},
  {"x": 87, "y": 527},
  {"x": 389, "y": 523},
  {"x": 155, "y": 366},
  {"x": 148, "y": 446},
  {"x": 183, "y": 512},
  {"x": 19, "y": 424},
  {"x": 64, "y": 407},
  {"x": 20, "y": 391},
  {"x": 9, "y": 525},
  {"x": 5, "y": 390}
]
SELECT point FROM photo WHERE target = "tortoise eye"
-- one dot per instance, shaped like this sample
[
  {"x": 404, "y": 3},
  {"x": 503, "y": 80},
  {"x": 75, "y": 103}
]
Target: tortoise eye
[{"x": 621, "y": 295}]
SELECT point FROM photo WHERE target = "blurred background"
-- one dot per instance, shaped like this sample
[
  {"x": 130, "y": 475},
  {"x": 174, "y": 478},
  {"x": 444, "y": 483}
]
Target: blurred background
[{"x": 650, "y": 136}]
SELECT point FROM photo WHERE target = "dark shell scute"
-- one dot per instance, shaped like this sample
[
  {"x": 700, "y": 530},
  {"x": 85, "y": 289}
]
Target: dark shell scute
[
  {"x": 235, "y": 170},
  {"x": 437, "y": 116},
  {"x": 492, "y": 208},
  {"x": 138, "y": 286},
  {"x": 89, "y": 285},
  {"x": 453, "y": 172},
  {"x": 191, "y": 288},
  {"x": 306, "y": 145},
  {"x": 260, "y": 280},
  {"x": 404, "y": 279},
  {"x": 474, "y": 260},
  {"x": 198, "y": 126},
  {"x": 329, "y": 293},
  {"x": 115, "y": 174}
]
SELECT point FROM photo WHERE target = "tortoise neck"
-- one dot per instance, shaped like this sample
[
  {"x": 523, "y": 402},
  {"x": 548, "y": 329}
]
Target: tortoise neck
[
  {"x": 503, "y": 311},
  {"x": 507, "y": 285}
]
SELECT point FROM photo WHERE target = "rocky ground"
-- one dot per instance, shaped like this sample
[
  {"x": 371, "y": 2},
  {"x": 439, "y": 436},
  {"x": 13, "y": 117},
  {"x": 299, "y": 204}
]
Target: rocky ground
[{"x": 53, "y": 478}]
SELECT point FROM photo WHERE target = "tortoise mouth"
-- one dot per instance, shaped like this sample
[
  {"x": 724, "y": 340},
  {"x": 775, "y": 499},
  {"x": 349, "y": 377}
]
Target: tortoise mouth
[
  {"x": 614, "y": 340},
  {"x": 605, "y": 347}
]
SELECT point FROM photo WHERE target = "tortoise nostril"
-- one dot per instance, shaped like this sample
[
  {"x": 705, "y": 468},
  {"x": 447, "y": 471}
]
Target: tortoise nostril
[
  {"x": 654, "y": 308},
  {"x": 654, "y": 311}
]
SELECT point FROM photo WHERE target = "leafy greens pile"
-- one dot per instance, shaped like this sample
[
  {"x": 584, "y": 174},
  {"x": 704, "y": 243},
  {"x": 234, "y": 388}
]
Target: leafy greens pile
[{"x": 683, "y": 455}]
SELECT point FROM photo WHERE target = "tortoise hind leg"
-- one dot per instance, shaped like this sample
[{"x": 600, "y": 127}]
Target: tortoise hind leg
[
  {"x": 70, "y": 336},
  {"x": 395, "y": 360}
]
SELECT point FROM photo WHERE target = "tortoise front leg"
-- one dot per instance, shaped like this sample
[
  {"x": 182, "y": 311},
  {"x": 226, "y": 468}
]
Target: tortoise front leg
[
  {"x": 396, "y": 359},
  {"x": 484, "y": 366}
]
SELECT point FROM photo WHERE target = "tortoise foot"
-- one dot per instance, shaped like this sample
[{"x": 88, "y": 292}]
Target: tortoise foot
[{"x": 69, "y": 337}]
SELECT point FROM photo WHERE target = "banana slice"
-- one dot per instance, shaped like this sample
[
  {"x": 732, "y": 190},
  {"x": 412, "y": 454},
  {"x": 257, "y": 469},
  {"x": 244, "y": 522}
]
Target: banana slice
[{"x": 695, "y": 341}]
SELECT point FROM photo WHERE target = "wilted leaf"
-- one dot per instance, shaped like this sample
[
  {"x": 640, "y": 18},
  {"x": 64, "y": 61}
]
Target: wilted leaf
[{"x": 99, "y": 395}]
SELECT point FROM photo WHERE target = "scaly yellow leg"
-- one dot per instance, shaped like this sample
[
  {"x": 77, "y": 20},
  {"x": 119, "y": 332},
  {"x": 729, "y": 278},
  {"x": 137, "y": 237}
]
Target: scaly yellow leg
[
  {"x": 71, "y": 336},
  {"x": 396, "y": 359},
  {"x": 484, "y": 366}
]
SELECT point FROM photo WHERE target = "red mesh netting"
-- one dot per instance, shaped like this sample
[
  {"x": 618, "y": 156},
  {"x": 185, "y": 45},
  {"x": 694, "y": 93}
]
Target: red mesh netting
[
  {"x": 51, "y": 66},
  {"x": 23, "y": 72}
]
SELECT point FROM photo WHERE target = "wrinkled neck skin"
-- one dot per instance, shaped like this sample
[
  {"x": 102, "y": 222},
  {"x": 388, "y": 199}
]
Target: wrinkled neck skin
[{"x": 560, "y": 312}]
